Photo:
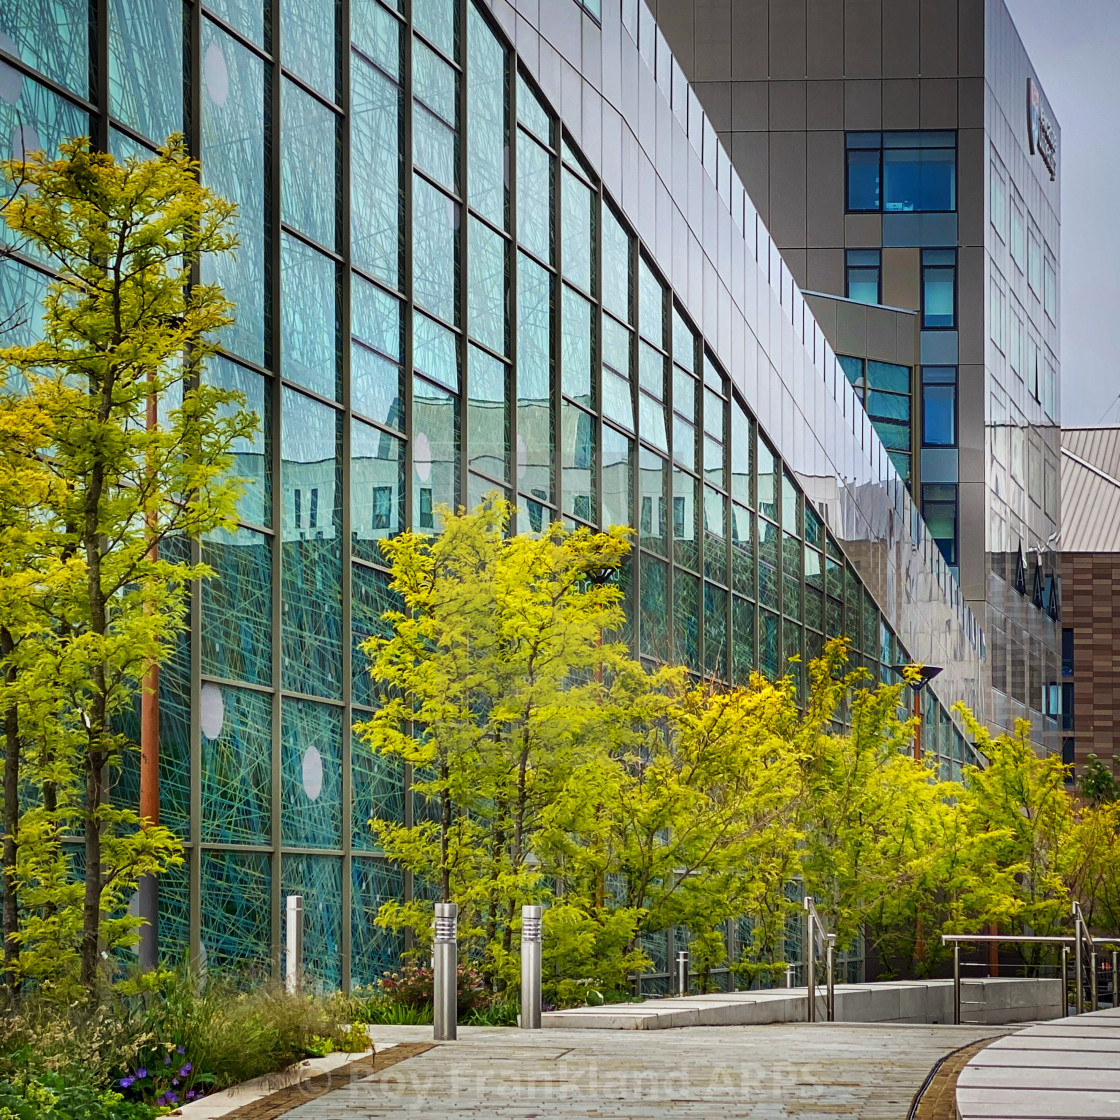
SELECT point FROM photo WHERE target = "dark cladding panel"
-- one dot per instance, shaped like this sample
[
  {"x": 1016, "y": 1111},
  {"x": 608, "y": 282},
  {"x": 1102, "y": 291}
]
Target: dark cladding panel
[
  {"x": 787, "y": 38},
  {"x": 824, "y": 31},
  {"x": 900, "y": 38},
  {"x": 939, "y": 38},
  {"x": 863, "y": 38}
]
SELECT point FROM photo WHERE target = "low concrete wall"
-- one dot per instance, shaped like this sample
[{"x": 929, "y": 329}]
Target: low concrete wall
[{"x": 994, "y": 1000}]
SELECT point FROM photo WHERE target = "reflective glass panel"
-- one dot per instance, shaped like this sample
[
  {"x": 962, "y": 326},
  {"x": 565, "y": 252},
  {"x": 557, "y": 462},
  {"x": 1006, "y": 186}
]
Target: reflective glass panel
[
  {"x": 686, "y": 520},
  {"x": 438, "y": 21},
  {"x": 309, "y": 293},
  {"x": 487, "y": 295},
  {"x": 146, "y": 66},
  {"x": 311, "y": 742},
  {"x": 308, "y": 38},
  {"x": 309, "y": 159},
  {"x": 686, "y": 620},
  {"x": 487, "y": 101},
  {"x": 616, "y": 266},
  {"x": 577, "y": 230},
  {"x": 435, "y": 351},
  {"x": 534, "y": 197},
  {"x": 246, "y": 16},
  {"x": 487, "y": 415},
  {"x": 370, "y": 598},
  {"x": 863, "y": 180},
  {"x": 376, "y": 34},
  {"x": 577, "y": 463},
  {"x": 716, "y": 662},
  {"x": 236, "y": 918},
  {"x": 920, "y": 179},
  {"x": 435, "y": 453},
  {"x": 233, "y": 166},
  {"x": 652, "y": 528},
  {"x": 434, "y": 138},
  {"x": 742, "y": 644},
  {"x": 311, "y": 585},
  {"x": 376, "y": 378},
  {"x": 654, "y": 608},
  {"x": 577, "y": 348},
  {"x": 534, "y": 364},
  {"x": 651, "y": 305},
  {"x": 237, "y": 606},
  {"x": 377, "y": 507},
  {"x": 52, "y": 36},
  {"x": 651, "y": 370},
  {"x": 376, "y": 207},
  {"x": 236, "y": 748},
  {"x": 435, "y": 238},
  {"x": 252, "y": 459},
  {"x": 318, "y": 879},
  {"x": 715, "y": 535},
  {"x": 618, "y": 452},
  {"x": 531, "y": 113}
]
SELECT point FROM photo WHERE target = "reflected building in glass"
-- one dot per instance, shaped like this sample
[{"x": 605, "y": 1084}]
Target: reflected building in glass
[
  {"x": 905, "y": 160},
  {"x": 481, "y": 249}
]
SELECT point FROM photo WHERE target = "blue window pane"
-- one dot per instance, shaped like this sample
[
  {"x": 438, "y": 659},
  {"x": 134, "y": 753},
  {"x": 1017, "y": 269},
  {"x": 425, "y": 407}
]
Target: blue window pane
[
  {"x": 252, "y": 462},
  {"x": 534, "y": 197},
  {"x": 487, "y": 294},
  {"x": 309, "y": 165},
  {"x": 146, "y": 66},
  {"x": 577, "y": 463},
  {"x": 52, "y": 36},
  {"x": 435, "y": 351},
  {"x": 939, "y": 415},
  {"x": 311, "y": 585},
  {"x": 373, "y": 950},
  {"x": 654, "y": 608},
  {"x": 686, "y": 620},
  {"x": 308, "y": 37},
  {"x": 236, "y": 765},
  {"x": 309, "y": 319},
  {"x": 233, "y": 166},
  {"x": 919, "y": 179},
  {"x": 378, "y": 794},
  {"x": 311, "y": 740},
  {"x": 371, "y": 598},
  {"x": 318, "y": 879},
  {"x": 376, "y": 489},
  {"x": 376, "y": 194},
  {"x": 236, "y": 912},
  {"x": 863, "y": 180},
  {"x": 534, "y": 366},
  {"x": 237, "y": 606},
  {"x": 246, "y": 16},
  {"x": 618, "y": 481},
  {"x": 487, "y": 415},
  {"x": 938, "y": 297},
  {"x": 435, "y": 239},
  {"x": 435, "y": 146},
  {"x": 487, "y": 101},
  {"x": 376, "y": 34},
  {"x": 22, "y": 291},
  {"x": 438, "y": 21},
  {"x": 435, "y": 453},
  {"x": 887, "y": 375},
  {"x": 577, "y": 227},
  {"x": 863, "y": 285}
]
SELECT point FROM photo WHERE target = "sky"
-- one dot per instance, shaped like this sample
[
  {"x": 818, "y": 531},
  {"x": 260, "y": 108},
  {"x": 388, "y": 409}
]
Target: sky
[{"x": 1075, "y": 47}]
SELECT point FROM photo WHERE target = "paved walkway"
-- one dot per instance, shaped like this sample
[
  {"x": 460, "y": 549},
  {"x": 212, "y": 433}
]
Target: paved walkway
[{"x": 821, "y": 1071}]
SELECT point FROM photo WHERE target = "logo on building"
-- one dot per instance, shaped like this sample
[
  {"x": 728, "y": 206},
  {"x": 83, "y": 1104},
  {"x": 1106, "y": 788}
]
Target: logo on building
[{"x": 1040, "y": 132}]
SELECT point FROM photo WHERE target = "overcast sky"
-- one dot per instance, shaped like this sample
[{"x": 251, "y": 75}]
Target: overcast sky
[{"x": 1075, "y": 47}]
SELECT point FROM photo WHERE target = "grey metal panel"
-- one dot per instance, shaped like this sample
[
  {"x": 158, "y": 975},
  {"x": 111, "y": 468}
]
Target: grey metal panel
[
  {"x": 824, "y": 105},
  {"x": 900, "y": 39},
  {"x": 939, "y": 348},
  {"x": 938, "y": 38},
  {"x": 787, "y": 188},
  {"x": 824, "y": 29},
  {"x": 675, "y": 18},
  {"x": 825, "y": 268},
  {"x": 919, "y": 229},
  {"x": 716, "y": 98},
  {"x": 824, "y": 191},
  {"x": 750, "y": 107},
  {"x": 900, "y": 103},
  {"x": 1097, "y": 446},
  {"x": 970, "y": 37},
  {"x": 937, "y": 100},
  {"x": 750, "y": 153},
  {"x": 750, "y": 55},
  {"x": 786, "y": 34},
  {"x": 1090, "y": 506},
  {"x": 863, "y": 231},
  {"x": 863, "y": 104},
  {"x": 939, "y": 464},
  {"x": 863, "y": 38},
  {"x": 787, "y": 106},
  {"x": 712, "y": 37}
]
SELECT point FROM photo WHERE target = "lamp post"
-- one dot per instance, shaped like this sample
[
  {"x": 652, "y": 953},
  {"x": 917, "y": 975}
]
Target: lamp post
[{"x": 918, "y": 676}]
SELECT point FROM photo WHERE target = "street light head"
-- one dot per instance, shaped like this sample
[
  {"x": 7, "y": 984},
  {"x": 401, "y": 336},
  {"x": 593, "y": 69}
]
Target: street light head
[{"x": 918, "y": 676}]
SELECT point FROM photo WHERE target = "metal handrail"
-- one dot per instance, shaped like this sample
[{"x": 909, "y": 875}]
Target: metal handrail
[
  {"x": 1081, "y": 931},
  {"x": 813, "y": 924}
]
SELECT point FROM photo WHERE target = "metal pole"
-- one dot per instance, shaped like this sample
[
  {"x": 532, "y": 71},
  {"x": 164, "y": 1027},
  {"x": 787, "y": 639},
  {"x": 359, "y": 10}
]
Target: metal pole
[
  {"x": 1078, "y": 995},
  {"x": 1065, "y": 979},
  {"x": 445, "y": 963},
  {"x": 683, "y": 982},
  {"x": 1115, "y": 962},
  {"x": 956, "y": 983},
  {"x": 531, "y": 968},
  {"x": 293, "y": 933},
  {"x": 810, "y": 964},
  {"x": 830, "y": 988},
  {"x": 1093, "y": 979}
]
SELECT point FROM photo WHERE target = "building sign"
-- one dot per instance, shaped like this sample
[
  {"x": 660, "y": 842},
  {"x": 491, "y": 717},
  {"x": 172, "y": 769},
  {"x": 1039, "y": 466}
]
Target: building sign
[{"x": 1040, "y": 132}]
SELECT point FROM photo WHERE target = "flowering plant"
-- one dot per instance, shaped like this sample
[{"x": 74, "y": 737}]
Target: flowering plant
[{"x": 165, "y": 1077}]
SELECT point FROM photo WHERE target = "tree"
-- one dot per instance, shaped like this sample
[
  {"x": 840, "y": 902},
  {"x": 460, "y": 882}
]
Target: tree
[
  {"x": 124, "y": 327},
  {"x": 1098, "y": 782}
]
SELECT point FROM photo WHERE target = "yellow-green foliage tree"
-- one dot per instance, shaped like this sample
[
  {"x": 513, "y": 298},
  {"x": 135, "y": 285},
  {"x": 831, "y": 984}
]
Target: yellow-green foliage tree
[{"x": 115, "y": 488}]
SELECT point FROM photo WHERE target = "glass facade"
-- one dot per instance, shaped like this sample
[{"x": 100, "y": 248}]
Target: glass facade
[{"x": 437, "y": 296}]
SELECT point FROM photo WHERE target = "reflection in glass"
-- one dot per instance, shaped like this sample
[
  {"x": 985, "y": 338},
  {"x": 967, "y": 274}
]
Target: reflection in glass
[
  {"x": 146, "y": 66},
  {"x": 252, "y": 460},
  {"x": 376, "y": 197},
  {"x": 435, "y": 453},
  {"x": 233, "y": 166},
  {"x": 654, "y": 608},
  {"x": 236, "y": 918},
  {"x": 435, "y": 239},
  {"x": 377, "y": 506},
  {"x": 618, "y": 453},
  {"x": 308, "y": 34},
  {"x": 376, "y": 34},
  {"x": 652, "y": 529},
  {"x": 437, "y": 21},
  {"x": 531, "y": 113},
  {"x": 311, "y": 585},
  {"x": 435, "y": 140},
  {"x": 376, "y": 378},
  {"x": 534, "y": 197},
  {"x": 309, "y": 319},
  {"x": 237, "y": 767},
  {"x": 534, "y": 365},
  {"x": 716, "y": 661},
  {"x": 237, "y": 606},
  {"x": 52, "y": 36},
  {"x": 576, "y": 347},
  {"x": 318, "y": 879},
  {"x": 577, "y": 230},
  {"x": 487, "y": 102},
  {"x": 686, "y": 520},
  {"x": 616, "y": 265},
  {"x": 487, "y": 296},
  {"x": 487, "y": 415},
  {"x": 742, "y": 640},
  {"x": 370, "y": 599},
  {"x": 686, "y": 620},
  {"x": 577, "y": 462},
  {"x": 308, "y": 163}
]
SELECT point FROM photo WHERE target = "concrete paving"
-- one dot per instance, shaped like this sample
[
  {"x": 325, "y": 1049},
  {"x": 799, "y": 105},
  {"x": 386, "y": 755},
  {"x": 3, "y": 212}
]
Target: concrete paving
[
  {"x": 822, "y": 1071},
  {"x": 1068, "y": 1069},
  {"x": 987, "y": 1000}
]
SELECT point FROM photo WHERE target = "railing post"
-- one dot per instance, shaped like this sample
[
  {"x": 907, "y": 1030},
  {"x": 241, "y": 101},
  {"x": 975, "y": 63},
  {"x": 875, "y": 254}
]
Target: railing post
[
  {"x": 1078, "y": 995},
  {"x": 1065, "y": 979},
  {"x": 1093, "y": 979},
  {"x": 445, "y": 967},
  {"x": 810, "y": 963},
  {"x": 531, "y": 968},
  {"x": 293, "y": 943},
  {"x": 683, "y": 982},
  {"x": 830, "y": 998},
  {"x": 956, "y": 983},
  {"x": 1115, "y": 962}
]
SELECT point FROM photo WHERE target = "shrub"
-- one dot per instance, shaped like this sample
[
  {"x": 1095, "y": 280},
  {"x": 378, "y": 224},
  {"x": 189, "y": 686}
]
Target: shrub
[{"x": 48, "y": 1097}]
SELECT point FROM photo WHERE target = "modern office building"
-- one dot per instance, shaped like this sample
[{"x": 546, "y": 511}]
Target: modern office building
[
  {"x": 481, "y": 247},
  {"x": 906, "y": 162},
  {"x": 1090, "y": 595}
]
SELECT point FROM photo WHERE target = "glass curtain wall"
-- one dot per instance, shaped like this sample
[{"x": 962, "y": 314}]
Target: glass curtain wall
[{"x": 435, "y": 300}]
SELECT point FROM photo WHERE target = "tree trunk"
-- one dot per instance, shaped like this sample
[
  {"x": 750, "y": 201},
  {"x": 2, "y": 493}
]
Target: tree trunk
[
  {"x": 91, "y": 902},
  {"x": 11, "y": 822},
  {"x": 444, "y": 837}
]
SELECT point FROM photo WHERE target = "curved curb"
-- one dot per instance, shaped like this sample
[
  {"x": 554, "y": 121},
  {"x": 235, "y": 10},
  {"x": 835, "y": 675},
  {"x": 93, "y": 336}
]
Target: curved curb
[{"x": 937, "y": 1097}]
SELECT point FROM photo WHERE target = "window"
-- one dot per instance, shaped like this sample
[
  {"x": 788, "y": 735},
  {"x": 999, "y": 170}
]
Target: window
[
  {"x": 884, "y": 389},
  {"x": 864, "y": 275},
  {"x": 313, "y": 516},
  {"x": 1067, "y": 651},
  {"x": 901, "y": 171},
  {"x": 996, "y": 307},
  {"x": 299, "y": 510},
  {"x": 939, "y": 288},
  {"x": 1018, "y": 233},
  {"x": 939, "y": 406},
  {"x": 939, "y": 508},
  {"x": 1050, "y": 287},
  {"x": 382, "y": 506},
  {"x": 1034, "y": 261},
  {"x": 998, "y": 202}
]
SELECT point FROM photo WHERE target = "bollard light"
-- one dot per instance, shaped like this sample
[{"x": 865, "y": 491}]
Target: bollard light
[
  {"x": 682, "y": 973},
  {"x": 531, "y": 967},
  {"x": 293, "y": 946},
  {"x": 445, "y": 980}
]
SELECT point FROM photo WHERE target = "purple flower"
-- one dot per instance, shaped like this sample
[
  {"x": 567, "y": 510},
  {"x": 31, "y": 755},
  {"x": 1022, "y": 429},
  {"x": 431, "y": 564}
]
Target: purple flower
[
  {"x": 181, "y": 1050},
  {"x": 167, "y": 1060},
  {"x": 185, "y": 1070},
  {"x": 191, "y": 1094},
  {"x": 174, "y": 1081},
  {"x": 126, "y": 1082},
  {"x": 141, "y": 1073},
  {"x": 172, "y": 1098}
]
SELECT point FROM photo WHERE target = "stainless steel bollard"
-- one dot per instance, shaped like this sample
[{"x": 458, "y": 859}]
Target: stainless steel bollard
[
  {"x": 293, "y": 942},
  {"x": 682, "y": 973},
  {"x": 531, "y": 967},
  {"x": 445, "y": 966}
]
